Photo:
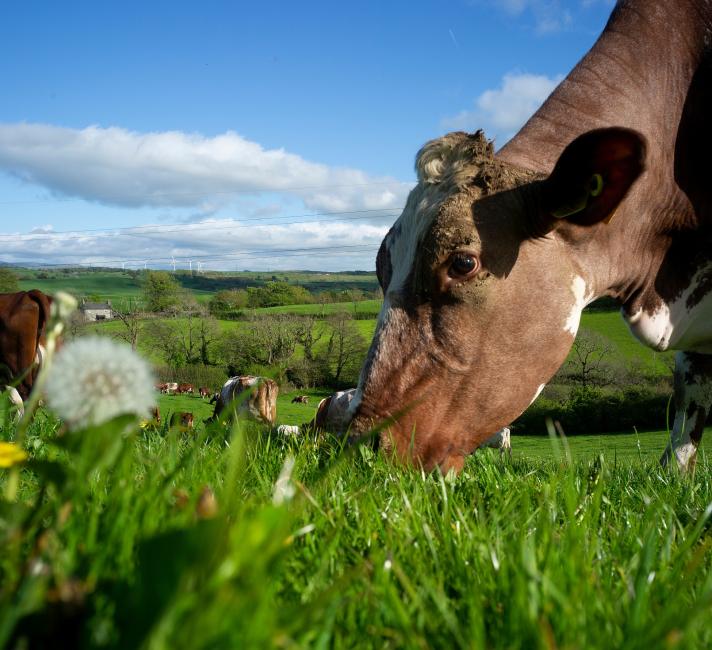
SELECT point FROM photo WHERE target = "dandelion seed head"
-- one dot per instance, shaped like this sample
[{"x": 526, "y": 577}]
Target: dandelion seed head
[{"x": 94, "y": 379}]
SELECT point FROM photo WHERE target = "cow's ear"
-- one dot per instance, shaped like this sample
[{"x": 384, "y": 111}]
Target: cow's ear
[{"x": 593, "y": 174}]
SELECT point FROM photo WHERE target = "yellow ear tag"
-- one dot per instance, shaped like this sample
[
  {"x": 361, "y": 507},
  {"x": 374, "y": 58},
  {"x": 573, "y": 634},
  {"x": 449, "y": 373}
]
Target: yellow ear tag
[
  {"x": 595, "y": 188},
  {"x": 596, "y": 185}
]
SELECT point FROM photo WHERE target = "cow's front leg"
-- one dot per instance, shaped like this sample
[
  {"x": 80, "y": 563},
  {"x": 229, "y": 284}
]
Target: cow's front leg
[{"x": 693, "y": 396}]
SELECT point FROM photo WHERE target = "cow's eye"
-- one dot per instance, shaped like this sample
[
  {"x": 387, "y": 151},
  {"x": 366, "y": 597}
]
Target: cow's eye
[{"x": 462, "y": 265}]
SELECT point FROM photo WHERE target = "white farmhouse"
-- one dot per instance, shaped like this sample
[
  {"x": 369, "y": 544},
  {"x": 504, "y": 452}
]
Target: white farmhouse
[{"x": 93, "y": 311}]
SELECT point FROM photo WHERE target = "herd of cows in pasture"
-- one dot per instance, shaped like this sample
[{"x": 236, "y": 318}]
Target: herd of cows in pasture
[{"x": 256, "y": 398}]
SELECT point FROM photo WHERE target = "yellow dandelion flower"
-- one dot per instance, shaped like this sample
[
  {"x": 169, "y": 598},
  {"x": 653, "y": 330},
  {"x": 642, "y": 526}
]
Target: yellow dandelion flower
[{"x": 11, "y": 454}]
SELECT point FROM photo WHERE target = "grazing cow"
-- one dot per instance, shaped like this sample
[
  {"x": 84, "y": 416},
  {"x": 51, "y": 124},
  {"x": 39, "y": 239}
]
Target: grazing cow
[
  {"x": 332, "y": 413},
  {"x": 23, "y": 320},
  {"x": 182, "y": 419},
  {"x": 161, "y": 388},
  {"x": 288, "y": 430},
  {"x": 260, "y": 404},
  {"x": 605, "y": 191},
  {"x": 204, "y": 391},
  {"x": 300, "y": 399},
  {"x": 501, "y": 440},
  {"x": 185, "y": 388},
  {"x": 170, "y": 387}
]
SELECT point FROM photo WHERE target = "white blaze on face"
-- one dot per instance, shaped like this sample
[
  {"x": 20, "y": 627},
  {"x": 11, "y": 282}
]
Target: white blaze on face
[
  {"x": 581, "y": 298},
  {"x": 407, "y": 234}
]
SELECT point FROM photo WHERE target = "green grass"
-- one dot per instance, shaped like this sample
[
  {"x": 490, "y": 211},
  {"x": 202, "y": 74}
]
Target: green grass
[
  {"x": 121, "y": 550},
  {"x": 316, "y": 309},
  {"x": 645, "y": 446},
  {"x": 109, "y": 286}
]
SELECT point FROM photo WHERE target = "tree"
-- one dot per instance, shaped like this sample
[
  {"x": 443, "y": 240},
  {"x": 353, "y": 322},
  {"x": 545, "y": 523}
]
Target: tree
[
  {"x": 264, "y": 341},
  {"x": 275, "y": 294},
  {"x": 9, "y": 282},
  {"x": 586, "y": 364},
  {"x": 160, "y": 291},
  {"x": 309, "y": 371},
  {"x": 228, "y": 302},
  {"x": 187, "y": 341},
  {"x": 345, "y": 350},
  {"x": 130, "y": 317}
]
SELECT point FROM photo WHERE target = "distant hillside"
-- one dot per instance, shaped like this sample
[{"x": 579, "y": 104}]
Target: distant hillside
[{"x": 118, "y": 284}]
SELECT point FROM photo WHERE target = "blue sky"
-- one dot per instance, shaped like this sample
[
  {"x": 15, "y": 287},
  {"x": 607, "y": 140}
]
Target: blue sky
[{"x": 267, "y": 135}]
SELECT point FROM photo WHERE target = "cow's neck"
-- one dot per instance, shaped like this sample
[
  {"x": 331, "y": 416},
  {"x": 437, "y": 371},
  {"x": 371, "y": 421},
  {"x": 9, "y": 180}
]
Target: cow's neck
[
  {"x": 650, "y": 70},
  {"x": 636, "y": 75}
]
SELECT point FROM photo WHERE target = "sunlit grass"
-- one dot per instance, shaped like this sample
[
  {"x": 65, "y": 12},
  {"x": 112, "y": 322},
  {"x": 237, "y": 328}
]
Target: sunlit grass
[{"x": 538, "y": 552}]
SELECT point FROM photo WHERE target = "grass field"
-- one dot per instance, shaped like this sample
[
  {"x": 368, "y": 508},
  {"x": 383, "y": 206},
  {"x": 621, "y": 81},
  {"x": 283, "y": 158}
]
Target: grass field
[
  {"x": 109, "y": 286},
  {"x": 120, "y": 286},
  {"x": 169, "y": 539},
  {"x": 315, "y": 309}
]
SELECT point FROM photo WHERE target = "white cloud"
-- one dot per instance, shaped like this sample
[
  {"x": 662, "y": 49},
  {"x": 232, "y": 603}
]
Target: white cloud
[
  {"x": 504, "y": 110},
  {"x": 215, "y": 243},
  {"x": 202, "y": 183},
  {"x": 115, "y": 166}
]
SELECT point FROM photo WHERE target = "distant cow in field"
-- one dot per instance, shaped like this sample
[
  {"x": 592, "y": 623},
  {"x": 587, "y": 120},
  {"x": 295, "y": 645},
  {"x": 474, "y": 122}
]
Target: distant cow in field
[
  {"x": 332, "y": 413},
  {"x": 300, "y": 399},
  {"x": 183, "y": 420},
  {"x": 288, "y": 430},
  {"x": 501, "y": 440},
  {"x": 23, "y": 320},
  {"x": 204, "y": 391},
  {"x": 169, "y": 387},
  {"x": 161, "y": 387},
  {"x": 260, "y": 404},
  {"x": 185, "y": 389}
]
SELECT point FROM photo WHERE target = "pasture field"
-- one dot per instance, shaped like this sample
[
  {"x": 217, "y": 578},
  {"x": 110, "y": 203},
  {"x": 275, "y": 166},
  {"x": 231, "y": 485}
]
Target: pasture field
[
  {"x": 121, "y": 286},
  {"x": 158, "y": 538},
  {"x": 115, "y": 286},
  {"x": 316, "y": 309}
]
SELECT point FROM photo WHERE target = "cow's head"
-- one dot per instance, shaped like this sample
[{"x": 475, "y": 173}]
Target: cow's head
[{"x": 483, "y": 289}]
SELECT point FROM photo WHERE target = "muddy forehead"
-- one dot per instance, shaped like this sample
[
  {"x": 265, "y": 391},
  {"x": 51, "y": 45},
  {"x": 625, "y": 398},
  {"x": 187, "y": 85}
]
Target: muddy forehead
[{"x": 452, "y": 229}]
